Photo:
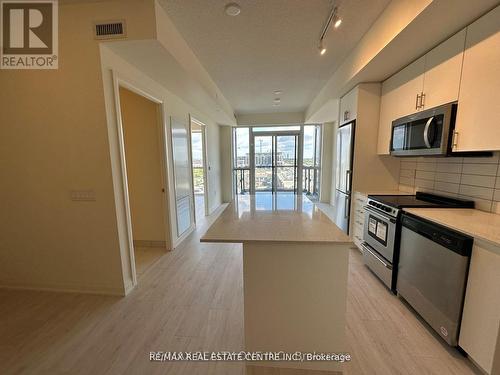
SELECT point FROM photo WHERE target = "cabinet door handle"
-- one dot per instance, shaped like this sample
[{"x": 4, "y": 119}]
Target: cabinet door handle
[
  {"x": 422, "y": 100},
  {"x": 417, "y": 101}
]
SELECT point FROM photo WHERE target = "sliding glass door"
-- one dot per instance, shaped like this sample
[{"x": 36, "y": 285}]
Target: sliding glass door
[
  {"x": 275, "y": 160},
  {"x": 286, "y": 162},
  {"x": 264, "y": 155}
]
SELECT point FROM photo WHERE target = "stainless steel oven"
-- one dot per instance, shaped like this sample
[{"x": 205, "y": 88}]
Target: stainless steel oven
[
  {"x": 379, "y": 235},
  {"x": 379, "y": 232},
  {"x": 424, "y": 133}
]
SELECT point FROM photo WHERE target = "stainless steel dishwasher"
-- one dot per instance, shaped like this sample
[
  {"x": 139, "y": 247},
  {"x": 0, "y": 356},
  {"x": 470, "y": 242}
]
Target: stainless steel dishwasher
[{"x": 432, "y": 273}]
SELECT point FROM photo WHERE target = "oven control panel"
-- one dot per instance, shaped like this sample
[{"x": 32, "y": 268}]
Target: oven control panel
[{"x": 383, "y": 207}]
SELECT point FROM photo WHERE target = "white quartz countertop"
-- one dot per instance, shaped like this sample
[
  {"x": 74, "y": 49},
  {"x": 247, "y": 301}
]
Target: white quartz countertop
[
  {"x": 478, "y": 224},
  {"x": 274, "y": 218}
]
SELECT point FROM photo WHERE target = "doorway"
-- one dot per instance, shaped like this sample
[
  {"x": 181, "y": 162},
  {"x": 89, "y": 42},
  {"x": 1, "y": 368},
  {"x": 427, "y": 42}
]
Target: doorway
[
  {"x": 145, "y": 176},
  {"x": 199, "y": 168}
]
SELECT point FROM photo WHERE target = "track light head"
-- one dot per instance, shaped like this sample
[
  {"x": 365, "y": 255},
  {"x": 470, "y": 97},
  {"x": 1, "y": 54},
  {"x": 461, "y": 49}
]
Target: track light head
[{"x": 321, "y": 47}]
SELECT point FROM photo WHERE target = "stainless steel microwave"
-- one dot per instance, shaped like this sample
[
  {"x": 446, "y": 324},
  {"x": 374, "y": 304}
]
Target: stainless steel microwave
[{"x": 424, "y": 133}]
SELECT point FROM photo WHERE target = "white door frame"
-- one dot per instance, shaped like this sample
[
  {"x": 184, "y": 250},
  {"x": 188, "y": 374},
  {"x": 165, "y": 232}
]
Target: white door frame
[
  {"x": 162, "y": 127},
  {"x": 204, "y": 145}
]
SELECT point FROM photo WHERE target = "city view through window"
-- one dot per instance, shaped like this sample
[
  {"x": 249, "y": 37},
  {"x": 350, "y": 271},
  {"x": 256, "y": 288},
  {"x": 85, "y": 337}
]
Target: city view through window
[
  {"x": 276, "y": 159},
  {"x": 197, "y": 152}
]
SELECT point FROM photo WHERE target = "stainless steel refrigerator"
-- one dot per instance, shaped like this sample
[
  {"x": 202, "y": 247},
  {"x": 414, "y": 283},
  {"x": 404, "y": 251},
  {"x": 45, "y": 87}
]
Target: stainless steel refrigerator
[{"x": 343, "y": 174}]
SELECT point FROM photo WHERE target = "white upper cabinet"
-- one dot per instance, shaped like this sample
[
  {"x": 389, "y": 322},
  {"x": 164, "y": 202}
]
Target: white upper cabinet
[
  {"x": 348, "y": 106},
  {"x": 478, "y": 117},
  {"x": 443, "y": 66},
  {"x": 399, "y": 98}
]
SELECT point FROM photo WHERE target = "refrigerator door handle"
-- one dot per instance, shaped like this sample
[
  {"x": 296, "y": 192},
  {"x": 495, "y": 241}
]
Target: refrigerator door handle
[
  {"x": 347, "y": 181},
  {"x": 346, "y": 207}
]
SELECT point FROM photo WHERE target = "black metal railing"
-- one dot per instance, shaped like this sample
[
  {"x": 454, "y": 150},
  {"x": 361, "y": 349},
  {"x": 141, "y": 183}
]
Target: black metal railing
[
  {"x": 310, "y": 180},
  {"x": 242, "y": 180}
]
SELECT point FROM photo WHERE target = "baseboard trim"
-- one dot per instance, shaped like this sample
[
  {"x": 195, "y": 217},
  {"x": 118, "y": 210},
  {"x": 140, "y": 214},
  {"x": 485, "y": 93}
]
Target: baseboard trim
[
  {"x": 129, "y": 286},
  {"x": 150, "y": 243},
  {"x": 80, "y": 289}
]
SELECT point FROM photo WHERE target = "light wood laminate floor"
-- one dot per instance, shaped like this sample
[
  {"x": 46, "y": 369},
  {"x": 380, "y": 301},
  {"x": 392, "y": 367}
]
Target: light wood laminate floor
[
  {"x": 192, "y": 299},
  {"x": 146, "y": 257}
]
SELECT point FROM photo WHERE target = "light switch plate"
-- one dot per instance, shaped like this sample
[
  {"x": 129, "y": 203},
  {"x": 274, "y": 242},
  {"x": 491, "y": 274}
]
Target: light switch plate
[{"x": 82, "y": 195}]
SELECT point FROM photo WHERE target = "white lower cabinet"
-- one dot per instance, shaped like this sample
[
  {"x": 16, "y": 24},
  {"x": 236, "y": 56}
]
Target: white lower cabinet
[
  {"x": 358, "y": 218},
  {"x": 481, "y": 315}
]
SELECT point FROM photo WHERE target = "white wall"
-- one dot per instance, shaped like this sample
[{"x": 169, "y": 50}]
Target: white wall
[
  {"x": 53, "y": 139},
  {"x": 327, "y": 140},
  {"x": 226, "y": 156},
  {"x": 272, "y": 118},
  {"x": 214, "y": 166},
  {"x": 334, "y": 163}
]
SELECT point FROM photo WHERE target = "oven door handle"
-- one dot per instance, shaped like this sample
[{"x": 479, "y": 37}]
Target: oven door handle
[
  {"x": 372, "y": 253},
  {"x": 426, "y": 132},
  {"x": 375, "y": 212}
]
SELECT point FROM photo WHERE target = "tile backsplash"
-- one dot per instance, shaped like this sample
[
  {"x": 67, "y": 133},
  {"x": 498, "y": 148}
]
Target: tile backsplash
[{"x": 476, "y": 178}]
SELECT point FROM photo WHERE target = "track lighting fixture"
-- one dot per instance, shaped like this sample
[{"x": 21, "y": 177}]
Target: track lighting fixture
[{"x": 333, "y": 16}]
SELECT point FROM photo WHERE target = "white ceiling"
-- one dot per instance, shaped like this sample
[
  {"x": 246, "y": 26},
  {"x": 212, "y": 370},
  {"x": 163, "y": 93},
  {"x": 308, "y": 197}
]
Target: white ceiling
[{"x": 271, "y": 45}]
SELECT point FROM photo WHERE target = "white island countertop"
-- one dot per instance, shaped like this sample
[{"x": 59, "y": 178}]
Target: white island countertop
[
  {"x": 274, "y": 218},
  {"x": 478, "y": 224}
]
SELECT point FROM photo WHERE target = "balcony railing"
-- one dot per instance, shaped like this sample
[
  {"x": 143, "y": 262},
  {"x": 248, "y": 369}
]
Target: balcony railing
[
  {"x": 242, "y": 180},
  {"x": 310, "y": 180}
]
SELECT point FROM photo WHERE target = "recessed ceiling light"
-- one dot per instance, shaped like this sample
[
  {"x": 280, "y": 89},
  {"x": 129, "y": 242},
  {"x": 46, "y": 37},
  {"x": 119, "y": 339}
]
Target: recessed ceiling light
[
  {"x": 278, "y": 92},
  {"x": 232, "y": 9}
]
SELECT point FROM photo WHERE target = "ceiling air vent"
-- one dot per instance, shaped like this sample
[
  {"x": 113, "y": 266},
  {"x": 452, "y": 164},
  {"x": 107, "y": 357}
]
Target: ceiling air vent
[{"x": 110, "y": 30}]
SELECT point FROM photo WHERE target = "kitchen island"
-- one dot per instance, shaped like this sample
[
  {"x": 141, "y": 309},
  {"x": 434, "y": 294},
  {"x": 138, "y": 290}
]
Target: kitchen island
[{"x": 295, "y": 264}]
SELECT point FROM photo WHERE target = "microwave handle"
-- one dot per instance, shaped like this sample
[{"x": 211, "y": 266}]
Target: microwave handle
[{"x": 426, "y": 132}]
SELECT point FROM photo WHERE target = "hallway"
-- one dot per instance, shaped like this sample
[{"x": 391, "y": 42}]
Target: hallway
[{"x": 191, "y": 300}]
